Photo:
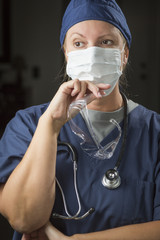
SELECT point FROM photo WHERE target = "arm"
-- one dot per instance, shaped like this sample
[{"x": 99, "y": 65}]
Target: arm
[
  {"x": 27, "y": 198},
  {"x": 36, "y": 235},
  {"x": 142, "y": 231}
]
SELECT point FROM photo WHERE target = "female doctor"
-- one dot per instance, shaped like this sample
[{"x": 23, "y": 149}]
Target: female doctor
[{"x": 31, "y": 159}]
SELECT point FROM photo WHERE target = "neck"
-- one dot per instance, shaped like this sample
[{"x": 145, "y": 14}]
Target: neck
[{"x": 109, "y": 103}]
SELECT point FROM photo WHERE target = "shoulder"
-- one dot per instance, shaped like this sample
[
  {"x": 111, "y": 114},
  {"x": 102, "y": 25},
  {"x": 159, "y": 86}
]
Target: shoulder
[
  {"x": 140, "y": 111},
  {"x": 26, "y": 120},
  {"x": 141, "y": 117},
  {"x": 33, "y": 111}
]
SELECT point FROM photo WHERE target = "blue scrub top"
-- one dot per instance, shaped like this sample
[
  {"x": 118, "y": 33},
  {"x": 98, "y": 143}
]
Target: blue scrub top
[{"x": 137, "y": 200}]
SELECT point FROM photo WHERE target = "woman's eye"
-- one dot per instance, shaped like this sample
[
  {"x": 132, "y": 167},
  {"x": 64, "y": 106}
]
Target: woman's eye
[
  {"x": 107, "y": 42},
  {"x": 78, "y": 44}
]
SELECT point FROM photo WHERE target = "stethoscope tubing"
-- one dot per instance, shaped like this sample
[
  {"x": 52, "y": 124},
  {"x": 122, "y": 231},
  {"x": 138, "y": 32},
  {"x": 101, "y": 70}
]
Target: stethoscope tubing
[
  {"x": 69, "y": 216},
  {"x": 77, "y": 195}
]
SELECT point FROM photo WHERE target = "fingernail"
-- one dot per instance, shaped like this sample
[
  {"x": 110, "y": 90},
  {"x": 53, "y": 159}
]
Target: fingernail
[{"x": 103, "y": 93}]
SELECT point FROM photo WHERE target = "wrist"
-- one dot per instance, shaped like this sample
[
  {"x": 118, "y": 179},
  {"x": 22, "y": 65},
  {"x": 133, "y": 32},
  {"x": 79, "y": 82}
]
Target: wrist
[
  {"x": 75, "y": 237},
  {"x": 47, "y": 121}
]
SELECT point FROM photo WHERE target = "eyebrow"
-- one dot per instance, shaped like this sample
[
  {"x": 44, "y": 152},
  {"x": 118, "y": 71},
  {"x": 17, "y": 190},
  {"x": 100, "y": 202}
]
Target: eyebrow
[{"x": 81, "y": 35}]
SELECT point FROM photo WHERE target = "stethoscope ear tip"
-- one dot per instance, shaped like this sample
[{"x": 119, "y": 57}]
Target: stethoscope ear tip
[{"x": 91, "y": 210}]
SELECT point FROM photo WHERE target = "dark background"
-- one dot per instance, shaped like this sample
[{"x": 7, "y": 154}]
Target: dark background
[{"x": 32, "y": 58}]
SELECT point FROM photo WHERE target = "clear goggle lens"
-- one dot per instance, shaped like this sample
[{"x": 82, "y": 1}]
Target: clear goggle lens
[{"x": 89, "y": 142}]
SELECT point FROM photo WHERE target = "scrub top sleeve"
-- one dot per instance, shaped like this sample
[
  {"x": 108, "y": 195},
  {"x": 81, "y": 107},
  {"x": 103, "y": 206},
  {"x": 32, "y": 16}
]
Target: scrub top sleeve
[
  {"x": 156, "y": 215},
  {"x": 14, "y": 143}
]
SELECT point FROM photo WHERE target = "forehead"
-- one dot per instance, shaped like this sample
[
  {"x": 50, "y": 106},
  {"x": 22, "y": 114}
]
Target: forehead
[{"x": 93, "y": 28}]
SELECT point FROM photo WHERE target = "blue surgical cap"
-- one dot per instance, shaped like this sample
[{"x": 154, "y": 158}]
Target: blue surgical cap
[{"x": 103, "y": 10}]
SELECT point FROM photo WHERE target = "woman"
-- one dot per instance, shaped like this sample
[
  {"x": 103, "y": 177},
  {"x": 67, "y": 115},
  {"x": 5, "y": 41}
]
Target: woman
[{"x": 30, "y": 159}]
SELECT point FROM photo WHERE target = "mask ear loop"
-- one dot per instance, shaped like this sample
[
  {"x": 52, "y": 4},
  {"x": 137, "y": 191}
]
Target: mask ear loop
[
  {"x": 123, "y": 47},
  {"x": 121, "y": 53}
]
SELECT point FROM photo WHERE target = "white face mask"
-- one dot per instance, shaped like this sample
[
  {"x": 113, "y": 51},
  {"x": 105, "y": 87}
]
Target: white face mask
[{"x": 99, "y": 65}]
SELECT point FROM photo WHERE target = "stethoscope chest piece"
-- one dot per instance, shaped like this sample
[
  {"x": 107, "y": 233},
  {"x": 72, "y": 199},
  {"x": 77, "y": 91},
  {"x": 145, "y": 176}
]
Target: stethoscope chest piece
[{"x": 111, "y": 179}]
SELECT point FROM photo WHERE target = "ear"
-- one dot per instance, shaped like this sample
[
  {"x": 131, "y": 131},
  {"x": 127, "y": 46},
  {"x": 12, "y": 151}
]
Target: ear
[
  {"x": 65, "y": 53},
  {"x": 126, "y": 55}
]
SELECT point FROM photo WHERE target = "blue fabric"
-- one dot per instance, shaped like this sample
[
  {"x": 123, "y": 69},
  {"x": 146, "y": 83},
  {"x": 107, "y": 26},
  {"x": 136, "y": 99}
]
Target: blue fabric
[
  {"x": 103, "y": 10},
  {"x": 137, "y": 200},
  {"x": 17, "y": 236},
  {"x": 16, "y": 139}
]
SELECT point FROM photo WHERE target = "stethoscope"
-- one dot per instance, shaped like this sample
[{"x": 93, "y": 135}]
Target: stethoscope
[
  {"x": 110, "y": 180},
  {"x": 69, "y": 216}
]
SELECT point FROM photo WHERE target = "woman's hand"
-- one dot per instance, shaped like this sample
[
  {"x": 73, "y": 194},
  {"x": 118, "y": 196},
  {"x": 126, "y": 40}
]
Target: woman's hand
[
  {"x": 53, "y": 234},
  {"x": 36, "y": 235},
  {"x": 71, "y": 91},
  {"x": 48, "y": 232}
]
